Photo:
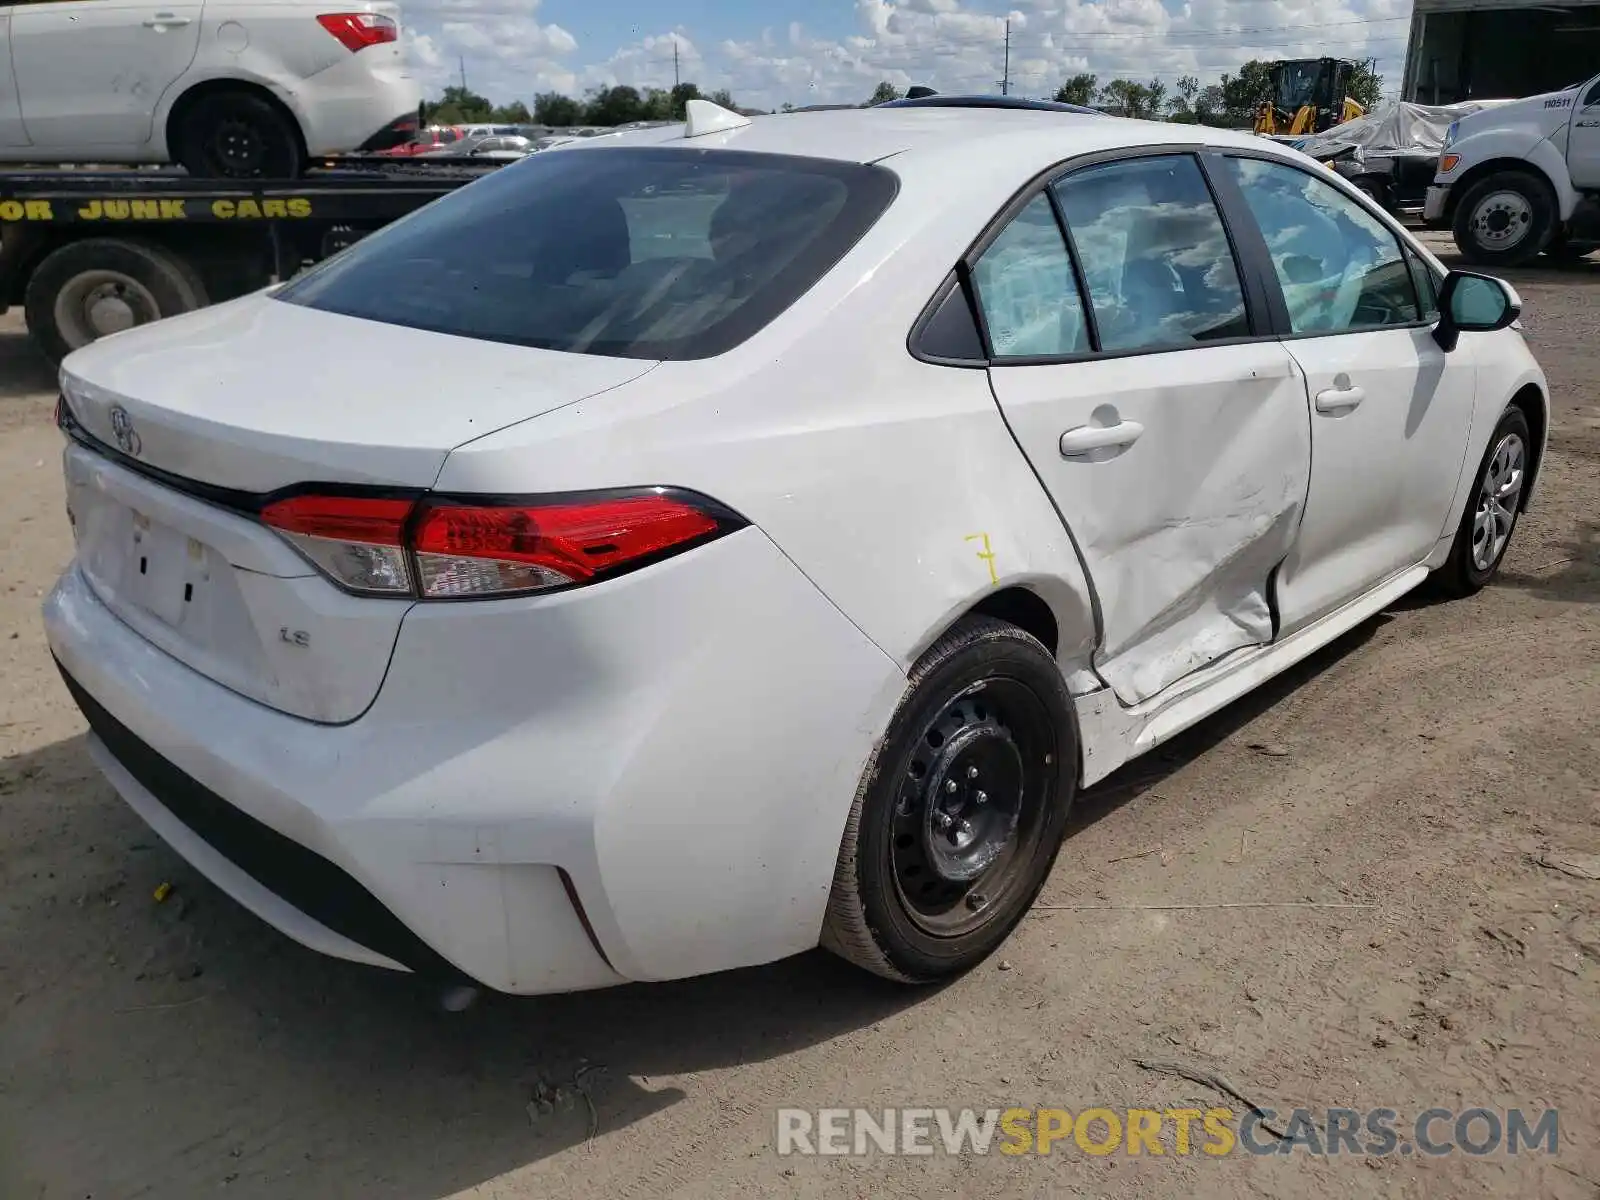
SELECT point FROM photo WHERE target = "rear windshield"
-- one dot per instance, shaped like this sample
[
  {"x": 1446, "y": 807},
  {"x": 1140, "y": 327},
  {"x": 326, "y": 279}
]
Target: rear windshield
[{"x": 636, "y": 253}]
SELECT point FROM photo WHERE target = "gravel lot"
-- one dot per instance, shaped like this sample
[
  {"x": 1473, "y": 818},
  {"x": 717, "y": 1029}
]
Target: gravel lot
[{"x": 1419, "y": 768}]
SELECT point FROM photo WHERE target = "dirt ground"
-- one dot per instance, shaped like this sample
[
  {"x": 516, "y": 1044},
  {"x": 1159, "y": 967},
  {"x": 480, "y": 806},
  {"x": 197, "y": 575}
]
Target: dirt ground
[{"x": 1418, "y": 769}]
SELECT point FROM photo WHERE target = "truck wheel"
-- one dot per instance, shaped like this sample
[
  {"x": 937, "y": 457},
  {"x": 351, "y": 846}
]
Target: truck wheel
[
  {"x": 1505, "y": 220},
  {"x": 98, "y": 286},
  {"x": 961, "y": 811},
  {"x": 236, "y": 135}
]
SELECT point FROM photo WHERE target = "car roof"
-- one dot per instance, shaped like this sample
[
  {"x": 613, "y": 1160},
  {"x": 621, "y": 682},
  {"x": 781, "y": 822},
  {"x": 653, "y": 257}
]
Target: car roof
[
  {"x": 986, "y": 138},
  {"x": 939, "y": 101}
]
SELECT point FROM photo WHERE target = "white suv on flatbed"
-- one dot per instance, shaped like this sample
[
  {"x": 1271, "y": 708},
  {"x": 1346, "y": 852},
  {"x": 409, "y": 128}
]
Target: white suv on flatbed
[{"x": 235, "y": 88}]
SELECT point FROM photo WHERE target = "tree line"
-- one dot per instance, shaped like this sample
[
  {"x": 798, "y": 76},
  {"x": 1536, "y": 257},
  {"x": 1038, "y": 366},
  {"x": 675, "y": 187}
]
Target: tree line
[
  {"x": 600, "y": 106},
  {"x": 1232, "y": 101}
]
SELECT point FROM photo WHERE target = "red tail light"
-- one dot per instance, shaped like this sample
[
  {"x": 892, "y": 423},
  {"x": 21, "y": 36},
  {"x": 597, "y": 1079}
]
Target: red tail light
[
  {"x": 446, "y": 549},
  {"x": 356, "y": 31}
]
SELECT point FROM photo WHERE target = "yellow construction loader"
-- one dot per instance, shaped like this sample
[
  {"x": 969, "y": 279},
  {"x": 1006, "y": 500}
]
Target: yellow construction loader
[{"x": 1308, "y": 96}]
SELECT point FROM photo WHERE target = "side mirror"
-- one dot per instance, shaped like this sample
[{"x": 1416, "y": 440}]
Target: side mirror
[{"x": 1473, "y": 303}]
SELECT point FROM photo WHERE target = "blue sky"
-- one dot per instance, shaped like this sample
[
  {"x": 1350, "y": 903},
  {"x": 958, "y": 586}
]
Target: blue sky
[{"x": 815, "y": 51}]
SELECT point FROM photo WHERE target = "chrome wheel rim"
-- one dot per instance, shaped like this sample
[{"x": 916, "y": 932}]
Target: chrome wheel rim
[
  {"x": 1499, "y": 492},
  {"x": 1502, "y": 220}
]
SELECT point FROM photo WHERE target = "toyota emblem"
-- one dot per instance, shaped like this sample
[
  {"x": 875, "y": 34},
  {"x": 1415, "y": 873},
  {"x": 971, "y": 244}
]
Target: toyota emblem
[{"x": 122, "y": 429}]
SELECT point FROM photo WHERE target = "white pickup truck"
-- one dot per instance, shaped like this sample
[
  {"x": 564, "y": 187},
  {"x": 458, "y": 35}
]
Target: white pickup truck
[{"x": 1522, "y": 178}]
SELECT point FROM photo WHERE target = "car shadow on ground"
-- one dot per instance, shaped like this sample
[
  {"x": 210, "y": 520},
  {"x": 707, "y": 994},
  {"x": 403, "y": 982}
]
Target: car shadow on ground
[
  {"x": 23, "y": 370},
  {"x": 360, "y": 1072},
  {"x": 1573, "y": 574}
]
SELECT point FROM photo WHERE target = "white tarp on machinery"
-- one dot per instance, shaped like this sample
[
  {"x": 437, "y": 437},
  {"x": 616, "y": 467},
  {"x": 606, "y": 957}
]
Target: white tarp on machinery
[{"x": 1392, "y": 130}]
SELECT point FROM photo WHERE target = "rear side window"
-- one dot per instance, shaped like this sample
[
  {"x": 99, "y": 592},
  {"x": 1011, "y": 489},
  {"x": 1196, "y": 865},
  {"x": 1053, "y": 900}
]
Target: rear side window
[
  {"x": 1027, "y": 291},
  {"x": 635, "y": 253},
  {"x": 1156, "y": 256}
]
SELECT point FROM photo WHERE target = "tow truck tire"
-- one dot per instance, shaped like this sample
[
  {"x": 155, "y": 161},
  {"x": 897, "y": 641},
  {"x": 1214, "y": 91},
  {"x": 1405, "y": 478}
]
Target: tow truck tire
[
  {"x": 238, "y": 135},
  {"x": 87, "y": 289},
  {"x": 1505, "y": 220}
]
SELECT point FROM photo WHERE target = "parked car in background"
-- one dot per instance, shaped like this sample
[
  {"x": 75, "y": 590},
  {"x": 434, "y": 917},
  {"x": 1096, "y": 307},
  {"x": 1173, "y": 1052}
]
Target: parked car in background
[
  {"x": 1392, "y": 152},
  {"x": 227, "y": 88},
  {"x": 705, "y": 543},
  {"x": 483, "y": 131},
  {"x": 503, "y": 148},
  {"x": 427, "y": 141}
]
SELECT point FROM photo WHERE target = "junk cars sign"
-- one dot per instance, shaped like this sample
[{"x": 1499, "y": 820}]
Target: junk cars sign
[{"x": 116, "y": 210}]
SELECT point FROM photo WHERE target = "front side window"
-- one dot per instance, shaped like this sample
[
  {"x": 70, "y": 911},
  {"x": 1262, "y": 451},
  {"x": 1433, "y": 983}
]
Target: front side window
[
  {"x": 656, "y": 253},
  {"x": 1339, "y": 266},
  {"x": 1027, "y": 291},
  {"x": 1156, "y": 258}
]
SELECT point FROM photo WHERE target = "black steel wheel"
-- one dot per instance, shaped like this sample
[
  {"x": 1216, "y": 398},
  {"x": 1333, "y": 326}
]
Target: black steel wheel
[
  {"x": 960, "y": 815},
  {"x": 238, "y": 135}
]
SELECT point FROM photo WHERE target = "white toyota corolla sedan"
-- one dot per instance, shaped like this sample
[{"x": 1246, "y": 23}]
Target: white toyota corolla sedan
[{"x": 688, "y": 547}]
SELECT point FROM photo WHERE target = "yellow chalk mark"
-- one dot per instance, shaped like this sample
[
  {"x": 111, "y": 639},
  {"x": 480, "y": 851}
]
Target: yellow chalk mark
[{"x": 987, "y": 554}]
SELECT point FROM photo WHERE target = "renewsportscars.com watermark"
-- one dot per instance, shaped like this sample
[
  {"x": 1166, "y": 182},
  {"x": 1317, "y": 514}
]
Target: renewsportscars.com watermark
[{"x": 1178, "y": 1132}]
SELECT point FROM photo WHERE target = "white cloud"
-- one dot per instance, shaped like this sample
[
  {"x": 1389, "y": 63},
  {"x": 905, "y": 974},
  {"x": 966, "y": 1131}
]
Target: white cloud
[
  {"x": 951, "y": 45},
  {"x": 502, "y": 44}
]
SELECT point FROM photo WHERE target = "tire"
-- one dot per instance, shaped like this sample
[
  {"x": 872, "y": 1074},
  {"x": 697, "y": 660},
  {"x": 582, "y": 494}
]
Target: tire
[
  {"x": 1467, "y": 571},
  {"x": 1376, "y": 192},
  {"x": 86, "y": 289},
  {"x": 986, "y": 704},
  {"x": 238, "y": 135},
  {"x": 1505, "y": 220}
]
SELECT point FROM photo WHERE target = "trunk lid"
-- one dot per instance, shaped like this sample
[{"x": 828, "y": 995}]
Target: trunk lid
[
  {"x": 258, "y": 394},
  {"x": 199, "y": 415}
]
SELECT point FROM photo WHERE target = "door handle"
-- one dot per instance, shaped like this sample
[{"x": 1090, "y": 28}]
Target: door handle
[
  {"x": 1086, "y": 439},
  {"x": 1340, "y": 399},
  {"x": 166, "y": 20}
]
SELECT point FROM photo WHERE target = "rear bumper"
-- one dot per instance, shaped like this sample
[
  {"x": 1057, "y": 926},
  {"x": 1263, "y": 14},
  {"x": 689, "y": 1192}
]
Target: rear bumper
[
  {"x": 396, "y": 133},
  {"x": 275, "y": 877},
  {"x": 350, "y": 104},
  {"x": 643, "y": 780}
]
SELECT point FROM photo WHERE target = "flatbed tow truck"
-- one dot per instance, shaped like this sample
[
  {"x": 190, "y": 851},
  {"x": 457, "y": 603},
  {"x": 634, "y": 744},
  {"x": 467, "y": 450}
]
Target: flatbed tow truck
[{"x": 87, "y": 253}]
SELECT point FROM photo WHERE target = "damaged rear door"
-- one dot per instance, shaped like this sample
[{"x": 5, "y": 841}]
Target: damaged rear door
[{"x": 1172, "y": 436}]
